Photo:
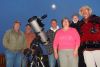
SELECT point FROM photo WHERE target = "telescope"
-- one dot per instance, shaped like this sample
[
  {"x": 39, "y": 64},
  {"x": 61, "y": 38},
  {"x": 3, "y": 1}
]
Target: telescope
[{"x": 37, "y": 26}]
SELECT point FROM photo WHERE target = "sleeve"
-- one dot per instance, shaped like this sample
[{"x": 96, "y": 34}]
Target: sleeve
[
  {"x": 6, "y": 39},
  {"x": 77, "y": 39},
  {"x": 48, "y": 34},
  {"x": 56, "y": 41},
  {"x": 95, "y": 19},
  {"x": 24, "y": 42}
]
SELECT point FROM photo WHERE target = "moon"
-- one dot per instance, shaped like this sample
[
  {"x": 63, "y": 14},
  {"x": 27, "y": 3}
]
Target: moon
[{"x": 53, "y": 6}]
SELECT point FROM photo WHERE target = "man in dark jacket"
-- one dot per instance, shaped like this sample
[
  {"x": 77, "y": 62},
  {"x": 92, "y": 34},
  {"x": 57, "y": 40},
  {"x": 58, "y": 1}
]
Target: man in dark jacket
[
  {"x": 50, "y": 34},
  {"x": 75, "y": 22}
]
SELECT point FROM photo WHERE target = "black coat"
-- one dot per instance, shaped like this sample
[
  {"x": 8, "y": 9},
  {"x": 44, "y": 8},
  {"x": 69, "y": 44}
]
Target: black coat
[{"x": 76, "y": 25}]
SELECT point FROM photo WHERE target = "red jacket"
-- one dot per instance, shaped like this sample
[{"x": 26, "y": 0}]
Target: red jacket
[{"x": 86, "y": 29}]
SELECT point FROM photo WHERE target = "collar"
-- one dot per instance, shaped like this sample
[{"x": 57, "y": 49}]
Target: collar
[{"x": 54, "y": 29}]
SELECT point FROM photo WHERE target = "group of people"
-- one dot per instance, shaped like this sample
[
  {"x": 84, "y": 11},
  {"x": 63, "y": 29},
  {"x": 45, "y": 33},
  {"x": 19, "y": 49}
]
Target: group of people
[
  {"x": 76, "y": 44},
  {"x": 15, "y": 41}
]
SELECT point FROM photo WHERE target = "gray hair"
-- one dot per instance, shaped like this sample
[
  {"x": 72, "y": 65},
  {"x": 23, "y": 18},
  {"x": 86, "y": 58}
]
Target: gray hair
[{"x": 85, "y": 7}]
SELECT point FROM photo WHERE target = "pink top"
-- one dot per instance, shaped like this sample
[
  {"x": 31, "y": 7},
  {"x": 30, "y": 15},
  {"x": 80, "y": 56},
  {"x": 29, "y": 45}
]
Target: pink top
[{"x": 69, "y": 39}]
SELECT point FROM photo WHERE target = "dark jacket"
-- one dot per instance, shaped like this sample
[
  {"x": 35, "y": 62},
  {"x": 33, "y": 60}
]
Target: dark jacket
[
  {"x": 50, "y": 35},
  {"x": 76, "y": 25}
]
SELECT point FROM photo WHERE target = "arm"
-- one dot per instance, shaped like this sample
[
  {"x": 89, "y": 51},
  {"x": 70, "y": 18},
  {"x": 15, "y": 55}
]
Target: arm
[
  {"x": 55, "y": 45},
  {"x": 24, "y": 42},
  {"x": 77, "y": 42},
  {"x": 6, "y": 39}
]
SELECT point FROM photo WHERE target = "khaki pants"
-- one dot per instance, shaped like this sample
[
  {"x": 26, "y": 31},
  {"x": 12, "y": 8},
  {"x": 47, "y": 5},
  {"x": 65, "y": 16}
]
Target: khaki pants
[
  {"x": 67, "y": 59},
  {"x": 92, "y": 58}
]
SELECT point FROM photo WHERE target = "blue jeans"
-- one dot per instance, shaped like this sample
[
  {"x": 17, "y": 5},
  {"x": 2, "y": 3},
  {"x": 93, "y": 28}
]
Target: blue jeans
[
  {"x": 52, "y": 61},
  {"x": 13, "y": 59},
  {"x": 24, "y": 61}
]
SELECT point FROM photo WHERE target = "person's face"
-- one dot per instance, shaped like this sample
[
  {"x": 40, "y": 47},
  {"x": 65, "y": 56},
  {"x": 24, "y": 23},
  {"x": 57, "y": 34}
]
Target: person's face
[
  {"x": 53, "y": 24},
  {"x": 75, "y": 19},
  {"x": 28, "y": 29},
  {"x": 85, "y": 13},
  {"x": 16, "y": 26},
  {"x": 65, "y": 23}
]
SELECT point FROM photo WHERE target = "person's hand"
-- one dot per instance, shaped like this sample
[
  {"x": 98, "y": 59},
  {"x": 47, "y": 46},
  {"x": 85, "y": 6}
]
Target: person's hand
[
  {"x": 56, "y": 55},
  {"x": 75, "y": 53}
]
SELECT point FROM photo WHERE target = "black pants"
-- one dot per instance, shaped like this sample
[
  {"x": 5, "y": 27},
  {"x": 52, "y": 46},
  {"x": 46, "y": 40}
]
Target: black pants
[{"x": 81, "y": 62}]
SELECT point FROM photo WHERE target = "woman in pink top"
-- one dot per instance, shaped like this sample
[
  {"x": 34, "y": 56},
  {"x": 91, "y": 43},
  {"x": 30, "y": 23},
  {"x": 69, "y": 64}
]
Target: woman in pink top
[{"x": 66, "y": 44}]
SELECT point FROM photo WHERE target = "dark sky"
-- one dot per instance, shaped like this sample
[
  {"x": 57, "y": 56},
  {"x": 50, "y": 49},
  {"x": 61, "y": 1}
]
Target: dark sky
[{"x": 22, "y": 10}]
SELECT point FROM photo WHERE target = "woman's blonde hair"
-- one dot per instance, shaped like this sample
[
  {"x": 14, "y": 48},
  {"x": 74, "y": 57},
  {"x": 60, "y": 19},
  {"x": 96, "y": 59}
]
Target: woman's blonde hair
[{"x": 85, "y": 7}]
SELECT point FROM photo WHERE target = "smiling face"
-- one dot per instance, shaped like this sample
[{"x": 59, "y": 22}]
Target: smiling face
[
  {"x": 16, "y": 26},
  {"x": 28, "y": 29},
  {"x": 54, "y": 24},
  {"x": 75, "y": 19},
  {"x": 65, "y": 23},
  {"x": 85, "y": 13}
]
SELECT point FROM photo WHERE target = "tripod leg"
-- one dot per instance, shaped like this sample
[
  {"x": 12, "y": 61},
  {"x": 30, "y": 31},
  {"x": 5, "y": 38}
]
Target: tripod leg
[
  {"x": 42, "y": 63},
  {"x": 31, "y": 64}
]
